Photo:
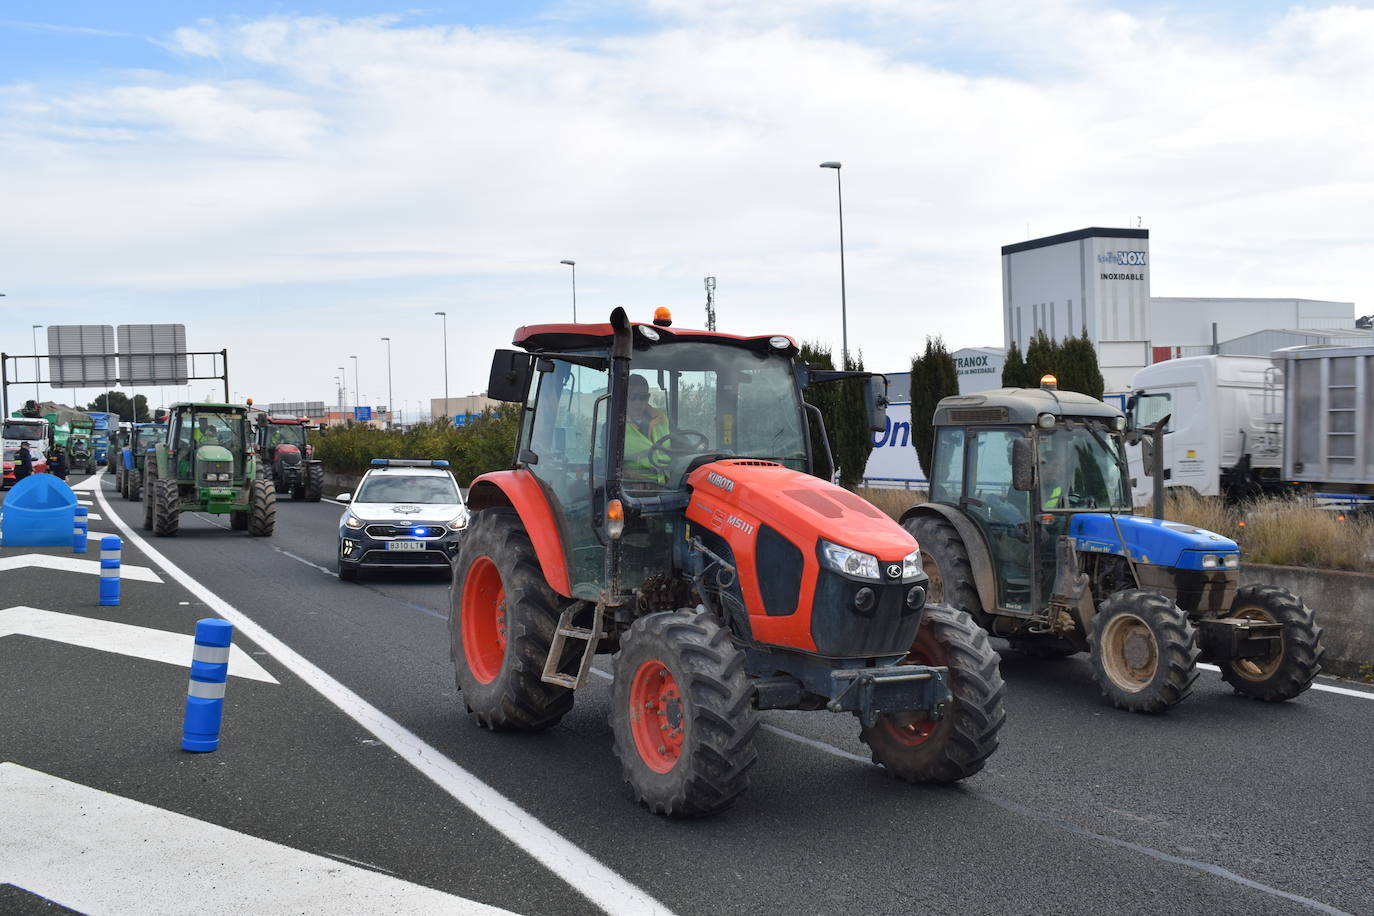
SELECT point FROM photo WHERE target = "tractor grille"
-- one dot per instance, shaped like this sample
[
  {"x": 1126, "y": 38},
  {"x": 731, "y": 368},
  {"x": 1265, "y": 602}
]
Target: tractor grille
[
  {"x": 212, "y": 472},
  {"x": 406, "y": 531}
]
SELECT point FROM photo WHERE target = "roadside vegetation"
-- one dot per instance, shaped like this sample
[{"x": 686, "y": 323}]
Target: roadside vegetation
[{"x": 487, "y": 443}]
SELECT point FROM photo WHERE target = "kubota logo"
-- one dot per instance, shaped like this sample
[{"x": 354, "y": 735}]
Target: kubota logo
[
  {"x": 725, "y": 483},
  {"x": 894, "y": 571}
]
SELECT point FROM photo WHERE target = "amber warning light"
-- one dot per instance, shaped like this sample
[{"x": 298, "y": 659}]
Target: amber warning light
[{"x": 662, "y": 317}]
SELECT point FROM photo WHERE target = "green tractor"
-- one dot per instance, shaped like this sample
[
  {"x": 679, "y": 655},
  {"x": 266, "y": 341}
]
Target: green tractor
[
  {"x": 206, "y": 464},
  {"x": 1031, "y": 530},
  {"x": 80, "y": 454}
]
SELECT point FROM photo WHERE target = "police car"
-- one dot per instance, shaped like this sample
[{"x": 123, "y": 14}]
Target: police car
[{"x": 406, "y": 513}]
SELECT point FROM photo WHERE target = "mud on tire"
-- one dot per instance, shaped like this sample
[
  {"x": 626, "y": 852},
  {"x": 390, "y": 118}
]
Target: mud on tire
[
  {"x": 916, "y": 749},
  {"x": 945, "y": 559},
  {"x": 682, "y": 713},
  {"x": 1144, "y": 651},
  {"x": 1299, "y": 660},
  {"x": 502, "y": 617}
]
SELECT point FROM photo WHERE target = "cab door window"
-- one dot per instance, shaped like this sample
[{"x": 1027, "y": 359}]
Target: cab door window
[{"x": 1002, "y": 513}]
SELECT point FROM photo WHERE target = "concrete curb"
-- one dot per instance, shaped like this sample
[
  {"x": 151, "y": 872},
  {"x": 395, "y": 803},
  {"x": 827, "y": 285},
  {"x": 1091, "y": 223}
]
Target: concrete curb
[{"x": 1343, "y": 603}]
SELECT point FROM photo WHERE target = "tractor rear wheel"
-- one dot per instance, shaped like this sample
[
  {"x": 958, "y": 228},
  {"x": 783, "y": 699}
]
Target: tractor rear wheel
[
  {"x": 502, "y": 619},
  {"x": 133, "y": 483},
  {"x": 165, "y": 500},
  {"x": 915, "y": 748},
  {"x": 262, "y": 514},
  {"x": 1144, "y": 651},
  {"x": 148, "y": 487},
  {"x": 945, "y": 559},
  {"x": 122, "y": 483},
  {"x": 1292, "y": 670},
  {"x": 683, "y": 715},
  {"x": 314, "y": 483}
]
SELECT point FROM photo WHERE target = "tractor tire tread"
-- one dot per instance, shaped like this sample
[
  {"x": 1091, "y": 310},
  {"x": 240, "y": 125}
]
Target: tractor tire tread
[
  {"x": 166, "y": 499},
  {"x": 941, "y": 542},
  {"x": 1177, "y": 649},
  {"x": 262, "y": 517},
  {"x": 1302, "y": 646},
  {"x": 314, "y": 483}
]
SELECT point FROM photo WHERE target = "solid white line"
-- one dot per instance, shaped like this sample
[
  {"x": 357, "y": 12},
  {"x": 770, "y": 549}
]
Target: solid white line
[
  {"x": 96, "y": 852},
  {"x": 602, "y": 886},
  {"x": 1343, "y": 691}
]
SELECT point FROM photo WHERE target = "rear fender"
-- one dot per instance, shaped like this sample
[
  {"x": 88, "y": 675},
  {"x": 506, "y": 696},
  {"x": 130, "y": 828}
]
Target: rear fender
[
  {"x": 521, "y": 491},
  {"x": 979, "y": 556}
]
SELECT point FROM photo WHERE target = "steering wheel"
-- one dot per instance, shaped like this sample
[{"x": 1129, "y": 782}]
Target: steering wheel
[{"x": 664, "y": 449}]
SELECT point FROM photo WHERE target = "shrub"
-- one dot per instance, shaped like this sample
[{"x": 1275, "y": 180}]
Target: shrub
[
  {"x": 487, "y": 443},
  {"x": 1281, "y": 531}
]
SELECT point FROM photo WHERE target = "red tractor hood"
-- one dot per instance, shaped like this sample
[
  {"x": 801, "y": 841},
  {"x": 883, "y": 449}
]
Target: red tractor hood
[{"x": 799, "y": 506}]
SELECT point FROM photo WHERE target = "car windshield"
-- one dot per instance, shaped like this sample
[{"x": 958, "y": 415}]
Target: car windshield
[
  {"x": 426, "y": 490},
  {"x": 1080, "y": 468}
]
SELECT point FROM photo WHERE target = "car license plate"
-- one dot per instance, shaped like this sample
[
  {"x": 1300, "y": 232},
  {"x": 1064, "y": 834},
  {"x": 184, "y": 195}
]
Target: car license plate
[{"x": 405, "y": 545}]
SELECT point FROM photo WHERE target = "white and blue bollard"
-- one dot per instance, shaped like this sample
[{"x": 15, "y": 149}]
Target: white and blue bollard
[
  {"x": 205, "y": 693},
  {"x": 80, "y": 525},
  {"x": 109, "y": 571}
]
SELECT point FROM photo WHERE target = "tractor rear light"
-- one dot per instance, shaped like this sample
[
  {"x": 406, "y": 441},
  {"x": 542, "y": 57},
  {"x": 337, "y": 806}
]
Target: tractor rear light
[
  {"x": 911, "y": 565},
  {"x": 615, "y": 519},
  {"x": 1231, "y": 561},
  {"x": 849, "y": 562},
  {"x": 1209, "y": 561}
]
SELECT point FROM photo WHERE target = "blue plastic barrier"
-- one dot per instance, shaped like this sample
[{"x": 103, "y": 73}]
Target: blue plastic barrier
[
  {"x": 110, "y": 549},
  {"x": 81, "y": 526},
  {"x": 205, "y": 693},
  {"x": 39, "y": 511}
]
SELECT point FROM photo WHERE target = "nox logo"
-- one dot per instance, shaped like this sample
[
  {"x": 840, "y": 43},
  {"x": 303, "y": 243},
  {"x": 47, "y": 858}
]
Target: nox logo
[{"x": 1123, "y": 258}]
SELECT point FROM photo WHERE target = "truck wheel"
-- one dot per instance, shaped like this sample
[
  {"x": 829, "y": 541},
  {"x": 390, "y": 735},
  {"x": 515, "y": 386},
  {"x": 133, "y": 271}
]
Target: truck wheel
[
  {"x": 683, "y": 715},
  {"x": 262, "y": 515},
  {"x": 314, "y": 483},
  {"x": 1292, "y": 670},
  {"x": 1144, "y": 651},
  {"x": 502, "y": 618},
  {"x": 165, "y": 500},
  {"x": 915, "y": 748},
  {"x": 946, "y": 563}
]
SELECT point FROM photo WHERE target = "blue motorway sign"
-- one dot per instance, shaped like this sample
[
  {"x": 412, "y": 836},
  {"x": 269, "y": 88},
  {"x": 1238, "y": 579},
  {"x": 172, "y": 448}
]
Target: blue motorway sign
[{"x": 362, "y": 414}]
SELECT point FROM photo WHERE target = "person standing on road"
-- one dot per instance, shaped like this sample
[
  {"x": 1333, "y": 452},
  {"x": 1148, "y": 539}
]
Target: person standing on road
[
  {"x": 23, "y": 462},
  {"x": 57, "y": 463}
]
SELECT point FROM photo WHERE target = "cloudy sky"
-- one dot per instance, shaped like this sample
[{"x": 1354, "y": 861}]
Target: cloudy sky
[{"x": 296, "y": 182}]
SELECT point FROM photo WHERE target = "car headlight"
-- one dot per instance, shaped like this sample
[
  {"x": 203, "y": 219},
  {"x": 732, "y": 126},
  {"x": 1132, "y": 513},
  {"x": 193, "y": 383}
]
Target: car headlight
[
  {"x": 850, "y": 562},
  {"x": 459, "y": 521},
  {"x": 1231, "y": 561},
  {"x": 911, "y": 565},
  {"x": 352, "y": 521}
]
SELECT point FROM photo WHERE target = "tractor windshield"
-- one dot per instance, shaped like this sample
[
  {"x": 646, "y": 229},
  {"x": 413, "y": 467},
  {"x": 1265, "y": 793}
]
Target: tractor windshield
[
  {"x": 709, "y": 399},
  {"x": 1082, "y": 468},
  {"x": 151, "y": 435},
  {"x": 287, "y": 434}
]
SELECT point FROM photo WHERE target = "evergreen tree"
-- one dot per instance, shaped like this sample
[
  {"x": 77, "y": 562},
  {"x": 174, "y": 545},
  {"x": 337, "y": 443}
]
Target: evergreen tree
[
  {"x": 823, "y": 398},
  {"x": 1078, "y": 367},
  {"x": 1042, "y": 358},
  {"x": 933, "y": 376},
  {"x": 1014, "y": 370}
]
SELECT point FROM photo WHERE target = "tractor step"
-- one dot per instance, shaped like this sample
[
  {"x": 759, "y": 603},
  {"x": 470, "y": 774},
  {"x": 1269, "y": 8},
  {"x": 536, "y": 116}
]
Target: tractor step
[{"x": 565, "y": 630}]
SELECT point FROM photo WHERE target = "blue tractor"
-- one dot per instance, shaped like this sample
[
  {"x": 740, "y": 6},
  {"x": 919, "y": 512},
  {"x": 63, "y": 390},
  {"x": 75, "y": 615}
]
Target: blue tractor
[
  {"x": 134, "y": 444},
  {"x": 1031, "y": 530}
]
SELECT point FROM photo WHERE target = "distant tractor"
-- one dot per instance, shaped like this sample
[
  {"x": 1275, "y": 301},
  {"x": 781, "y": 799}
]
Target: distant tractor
[
  {"x": 662, "y": 507},
  {"x": 80, "y": 455},
  {"x": 287, "y": 460},
  {"x": 134, "y": 445},
  {"x": 1030, "y": 529},
  {"x": 205, "y": 464}
]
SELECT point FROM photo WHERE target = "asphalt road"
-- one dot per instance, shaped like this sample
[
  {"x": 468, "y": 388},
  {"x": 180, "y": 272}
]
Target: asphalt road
[{"x": 1222, "y": 805}]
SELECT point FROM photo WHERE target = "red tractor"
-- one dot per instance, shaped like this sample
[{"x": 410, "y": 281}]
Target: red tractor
[
  {"x": 663, "y": 507},
  {"x": 286, "y": 459}
]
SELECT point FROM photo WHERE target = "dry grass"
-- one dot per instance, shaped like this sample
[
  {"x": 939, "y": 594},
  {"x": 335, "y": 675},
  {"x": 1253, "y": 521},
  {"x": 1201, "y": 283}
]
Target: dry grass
[
  {"x": 1285, "y": 532},
  {"x": 893, "y": 502}
]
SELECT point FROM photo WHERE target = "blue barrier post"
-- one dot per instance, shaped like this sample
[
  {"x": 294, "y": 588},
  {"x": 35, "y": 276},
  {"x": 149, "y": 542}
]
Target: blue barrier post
[
  {"x": 109, "y": 571},
  {"x": 80, "y": 526},
  {"x": 205, "y": 693}
]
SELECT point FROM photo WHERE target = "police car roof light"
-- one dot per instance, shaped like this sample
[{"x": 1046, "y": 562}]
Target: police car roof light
[{"x": 409, "y": 462}]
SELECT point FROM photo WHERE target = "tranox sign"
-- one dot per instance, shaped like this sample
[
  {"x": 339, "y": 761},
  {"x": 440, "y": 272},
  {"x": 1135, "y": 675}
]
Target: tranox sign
[
  {"x": 973, "y": 365},
  {"x": 1123, "y": 259}
]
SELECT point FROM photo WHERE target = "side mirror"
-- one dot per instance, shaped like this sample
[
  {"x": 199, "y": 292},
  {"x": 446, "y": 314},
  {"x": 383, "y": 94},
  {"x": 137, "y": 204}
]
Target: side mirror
[
  {"x": 344, "y": 498},
  {"x": 510, "y": 376},
  {"x": 1022, "y": 465},
  {"x": 1130, "y": 414},
  {"x": 1147, "y": 455},
  {"x": 875, "y": 399}
]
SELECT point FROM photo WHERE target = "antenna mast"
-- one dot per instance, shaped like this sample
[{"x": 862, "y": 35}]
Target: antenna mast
[{"x": 710, "y": 303}]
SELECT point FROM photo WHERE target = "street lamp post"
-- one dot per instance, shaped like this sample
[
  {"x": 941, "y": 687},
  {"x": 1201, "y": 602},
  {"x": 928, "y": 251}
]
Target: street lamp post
[
  {"x": 844, "y": 318},
  {"x": 573, "y": 264},
  {"x": 343, "y": 385},
  {"x": 390, "y": 404},
  {"x": 37, "y": 366},
  {"x": 444, "y": 315},
  {"x": 357, "y": 401}
]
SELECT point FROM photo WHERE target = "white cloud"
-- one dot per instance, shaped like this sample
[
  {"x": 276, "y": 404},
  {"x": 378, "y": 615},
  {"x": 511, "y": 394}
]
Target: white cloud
[{"x": 336, "y": 179}]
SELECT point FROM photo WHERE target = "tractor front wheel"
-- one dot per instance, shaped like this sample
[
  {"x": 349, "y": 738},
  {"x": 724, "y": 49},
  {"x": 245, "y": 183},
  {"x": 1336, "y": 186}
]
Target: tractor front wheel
[
  {"x": 502, "y": 619},
  {"x": 314, "y": 483},
  {"x": 165, "y": 500},
  {"x": 945, "y": 560},
  {"x": 1292, "y": 670},
  {"x": 1144, "y": 651},
  {"x": 262, "y": 513},
  {"x": 915, "y": 748},
  {"x": 682, "y": 712}
]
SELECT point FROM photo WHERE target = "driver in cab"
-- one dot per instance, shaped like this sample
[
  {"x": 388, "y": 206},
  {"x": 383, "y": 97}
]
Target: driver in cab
[{"x": 644, "y": 425}]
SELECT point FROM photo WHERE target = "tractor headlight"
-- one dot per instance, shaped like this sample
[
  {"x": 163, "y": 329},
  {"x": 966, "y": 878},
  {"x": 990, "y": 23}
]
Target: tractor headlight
[
  {"x": 352, "y": 521},
  {"x": 911, "y": 565},
  {"x": 851, "y": 562},
  {"x": 459, "y": 521},
  {"x": 1209, "y": 561},
  {"x": 1231, "y": 561}
]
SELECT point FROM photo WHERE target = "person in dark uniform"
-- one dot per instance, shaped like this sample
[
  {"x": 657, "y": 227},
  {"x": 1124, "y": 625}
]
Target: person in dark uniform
[
  {"x": 23, "y": 462},
  {"x": 58, "y": 465}
]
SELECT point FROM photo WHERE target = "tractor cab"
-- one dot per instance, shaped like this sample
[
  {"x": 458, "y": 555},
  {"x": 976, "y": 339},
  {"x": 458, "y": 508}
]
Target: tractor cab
[
  {"x": 287, "y": 459},
  {"x": 209, "y": 444}
]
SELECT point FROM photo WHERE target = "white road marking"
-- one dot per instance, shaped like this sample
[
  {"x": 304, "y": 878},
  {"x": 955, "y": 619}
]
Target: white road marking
[
  {"x": 605, "y": 888},
  {"x": 95, "y": 852},
  {"x": 76, "y": 565},
  {"x": 327, "y": 572},
  {"x": 120, "y": 638},
  {"x": 89, "y": 483},
  {"x": 1325, "y": 688}
]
